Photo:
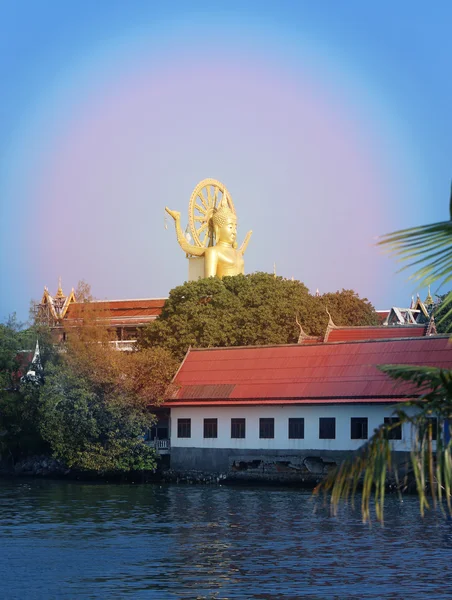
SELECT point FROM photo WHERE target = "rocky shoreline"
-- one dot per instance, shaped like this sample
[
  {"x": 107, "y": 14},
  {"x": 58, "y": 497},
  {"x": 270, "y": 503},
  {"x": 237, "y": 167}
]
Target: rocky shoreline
[{"x": 40, "y": 466}]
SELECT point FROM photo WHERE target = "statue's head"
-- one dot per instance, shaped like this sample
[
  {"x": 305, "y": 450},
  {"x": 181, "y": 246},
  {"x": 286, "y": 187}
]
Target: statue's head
[{"x": 225, "y": 224}]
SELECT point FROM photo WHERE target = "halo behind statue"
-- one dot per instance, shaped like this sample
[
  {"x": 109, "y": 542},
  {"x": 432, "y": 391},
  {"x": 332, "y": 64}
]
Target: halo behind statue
[{"x": 204, "y": 201}]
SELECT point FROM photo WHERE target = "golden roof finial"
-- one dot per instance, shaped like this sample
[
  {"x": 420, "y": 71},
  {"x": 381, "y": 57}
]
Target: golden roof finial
[
  {"x": 59, "y": 293},
  {"x": 429, "y": 299}
]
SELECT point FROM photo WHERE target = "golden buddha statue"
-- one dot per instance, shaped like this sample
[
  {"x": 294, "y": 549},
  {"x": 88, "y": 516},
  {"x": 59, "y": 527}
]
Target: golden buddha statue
[{"x": 214, "y": 229}]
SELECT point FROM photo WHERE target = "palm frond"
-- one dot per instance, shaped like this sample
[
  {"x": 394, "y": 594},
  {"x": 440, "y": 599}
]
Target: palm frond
[
  {"x": 427, "y": 245},
  {"x": 428, "y": 250},
  {"x": 429, "y": 468}
]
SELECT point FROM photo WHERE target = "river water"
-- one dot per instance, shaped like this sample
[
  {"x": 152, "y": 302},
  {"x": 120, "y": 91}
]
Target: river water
[{"x": 71, "y": 540}]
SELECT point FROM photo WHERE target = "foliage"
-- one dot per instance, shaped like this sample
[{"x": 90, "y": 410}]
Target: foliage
[
  {"x": 443, "y": 317},
  {"x": 94, "y": 405},
  {"x": 83, "y": 292},
  {"x": 346, "y": 308},
  {"x": 19, "y": 433},
  {"x": 93, "y": 408},
  {"x": 91, "y": 430},
  {"x": 248, "y": 310}
]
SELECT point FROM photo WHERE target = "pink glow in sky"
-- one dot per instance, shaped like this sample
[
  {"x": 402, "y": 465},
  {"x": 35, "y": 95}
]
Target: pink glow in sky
[
  {"x": 298, "y": 165},
  {"x": 314, "y": 155}
]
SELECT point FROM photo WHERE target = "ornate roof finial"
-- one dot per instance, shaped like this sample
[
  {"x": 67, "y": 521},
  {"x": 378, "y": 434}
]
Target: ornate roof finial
[
  {"x": 35, "y": 370},
  {"x": 429, "y": 299},
  {"x": 431, "y": 327},
  {"x": 329, "y": 327},
  {"x": 317, "y": 293},
  {"x": 330, "y": 322},
  {"x": 59, "y": 293},
  {"x": 302, "y": 335}
]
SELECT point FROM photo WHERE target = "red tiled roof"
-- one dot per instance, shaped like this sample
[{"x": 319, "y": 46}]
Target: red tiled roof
[
  {"x": 302, "y": 373},
  {"x": 348, "y": 334},
  {"x": 122, "y": 312}
]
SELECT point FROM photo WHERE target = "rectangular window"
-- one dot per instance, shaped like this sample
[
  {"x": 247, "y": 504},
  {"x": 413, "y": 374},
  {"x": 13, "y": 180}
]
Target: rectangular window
[
  {"x": 358, "y": 428},
  {"x": 266, "y": 428},
  {"x": 237, "y": 428},
  {"x": 327, "y": 428},
  {"x": 296, "y": 429},
  {"x": 424, "y": 429},
  {"x": 210, "y": 428},
  {"x": 183, "y": 428},
  {"x": 396, "y": 432}
]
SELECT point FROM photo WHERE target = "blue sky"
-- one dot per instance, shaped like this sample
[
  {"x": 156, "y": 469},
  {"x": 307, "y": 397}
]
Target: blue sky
[{"x": 329, "y": 123}]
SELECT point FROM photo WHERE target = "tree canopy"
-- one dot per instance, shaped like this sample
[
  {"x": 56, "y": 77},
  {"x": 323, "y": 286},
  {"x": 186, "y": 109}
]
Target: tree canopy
[
  {"x": 93, "y": 407},
  {"x": 19, "y": 423},
  {"x": 246, "y": 310}
]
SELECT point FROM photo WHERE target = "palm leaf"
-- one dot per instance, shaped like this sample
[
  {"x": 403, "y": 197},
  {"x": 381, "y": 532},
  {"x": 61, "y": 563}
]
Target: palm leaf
[
  {"x": 431, "y": 469},
  {"x": 427, "y": 249}
]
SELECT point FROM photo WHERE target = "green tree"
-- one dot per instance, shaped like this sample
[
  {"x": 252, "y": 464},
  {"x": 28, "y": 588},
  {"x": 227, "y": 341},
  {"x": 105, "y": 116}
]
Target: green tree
[
  {"x": 443, "y": 317},
  {"x": 347, "y": 308},
  {"x": 19, "y": 431},
  {"x": 91, "y": 430},
  {"x": 95, "y": 403},
  {"x": 248, "y": 310}
]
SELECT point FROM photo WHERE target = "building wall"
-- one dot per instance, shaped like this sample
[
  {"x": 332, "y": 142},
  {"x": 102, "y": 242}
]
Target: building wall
[
  {"x": 218, "y": 454},
  {"x": 281, "y": 414}
]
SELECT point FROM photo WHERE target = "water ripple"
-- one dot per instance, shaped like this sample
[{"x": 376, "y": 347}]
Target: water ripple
[{"x": 66, "y": 540}]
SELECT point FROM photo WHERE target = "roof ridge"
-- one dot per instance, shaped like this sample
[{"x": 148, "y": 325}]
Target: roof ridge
[
  {"x": 387, "y": 327},
  {"x": 123, "y": 300},
  {"x": 319, "y": 345}
]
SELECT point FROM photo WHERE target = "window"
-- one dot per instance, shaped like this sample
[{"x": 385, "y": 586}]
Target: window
[
  {"x": 210, "y": 428},
  {"x": 358, "y": 428},
  {"x": 266, "y": 428},
  {"x": 183, "y": 428},
  {"x": 237, "y": 428},
  {"x": 327, "y": 428},
  {"x": 296, "y": 429},
  {"x": 396, "y": 432},
  {"x": 424, "y": 429}
]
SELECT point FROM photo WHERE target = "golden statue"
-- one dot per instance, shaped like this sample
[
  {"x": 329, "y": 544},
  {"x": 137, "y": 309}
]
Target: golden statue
[{"x": 213, "y": 226}]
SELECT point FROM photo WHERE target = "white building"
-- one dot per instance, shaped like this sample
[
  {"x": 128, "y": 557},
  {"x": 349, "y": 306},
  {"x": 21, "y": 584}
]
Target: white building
[{"x": 294, "y": 408}]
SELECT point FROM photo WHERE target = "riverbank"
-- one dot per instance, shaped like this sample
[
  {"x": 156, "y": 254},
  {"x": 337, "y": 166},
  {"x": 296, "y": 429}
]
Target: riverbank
[
  {"x": 43, "y": 466},
  {"x": 46, "y": 467}
]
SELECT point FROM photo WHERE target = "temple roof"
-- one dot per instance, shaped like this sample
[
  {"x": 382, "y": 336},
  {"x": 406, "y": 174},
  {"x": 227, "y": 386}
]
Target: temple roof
[
  {"x": 120, "y": 312},
  {"x": 328, "y": 373},
  {"x": 57, "y": 305}
]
